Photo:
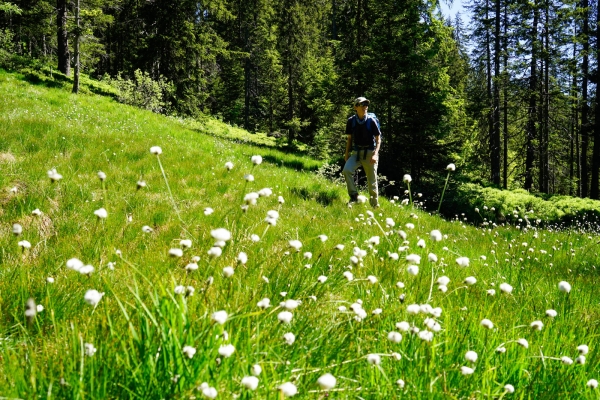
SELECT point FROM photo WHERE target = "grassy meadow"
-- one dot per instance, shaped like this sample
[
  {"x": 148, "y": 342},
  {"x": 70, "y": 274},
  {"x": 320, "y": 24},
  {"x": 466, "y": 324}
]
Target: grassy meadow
[{"x": 184, "y": 288}]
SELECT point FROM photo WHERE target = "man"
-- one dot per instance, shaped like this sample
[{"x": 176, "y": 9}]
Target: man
[{"x": 362, "y": 148}]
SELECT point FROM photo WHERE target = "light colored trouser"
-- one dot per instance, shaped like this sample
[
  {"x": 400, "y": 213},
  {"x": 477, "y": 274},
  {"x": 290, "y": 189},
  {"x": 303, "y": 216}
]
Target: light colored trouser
[{"x": 370, "y": 170}]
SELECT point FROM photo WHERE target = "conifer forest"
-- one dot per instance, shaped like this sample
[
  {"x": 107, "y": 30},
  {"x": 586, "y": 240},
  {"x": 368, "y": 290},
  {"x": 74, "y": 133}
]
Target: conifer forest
[{"x": 507, "y": 90}]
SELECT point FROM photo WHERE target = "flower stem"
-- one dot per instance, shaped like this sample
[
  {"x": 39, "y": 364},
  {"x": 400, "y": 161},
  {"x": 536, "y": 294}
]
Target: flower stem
[{"x": 443, "y": 191}]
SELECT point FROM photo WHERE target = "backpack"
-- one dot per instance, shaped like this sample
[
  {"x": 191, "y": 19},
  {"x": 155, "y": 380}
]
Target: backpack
[{"x": 362, "y": 141}]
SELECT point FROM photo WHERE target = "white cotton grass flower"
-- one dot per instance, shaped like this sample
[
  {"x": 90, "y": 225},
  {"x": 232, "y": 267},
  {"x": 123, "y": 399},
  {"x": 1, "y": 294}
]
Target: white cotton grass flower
[
  {"x": 251, "y": 198},
  {"x": 285, "y": 317},
  {"x": 250, "y": 382},
  {"x": 74, "y": 264},
  {"x": 226, "y": 350},
  {"x": 264, "y": 303},
  {"x": 426, "y": 335},
  {"x": 443, "y": 280},
  {"x": 36, "y": 212},
  {"x": 372, "y": 279},
  {"x": 410, "y": 225},
  {"x": 266, "y": 192},
  {"x": 491, "y": 292},
  {"x": 360, "y": 199},
  {"x": 208, "y": 211},
  {"x": 403, "y": 326},
  {"x": 508, "y": 388},
  {"x": 295, "y": 244},
  {"x": 209, "y": 392},
  {"x": 564, "y": 286},
  {"x": 451, "y": 167},
  {"x": 506, "y": 288},
  {"x": 256, "y": 370},
  {"x": 215, "y": 252},
  {"x": 536, "y": 325},
  {"x": 462, "y": 261},
  {"x": 191, "y": 267},
  {"x": 348, "y": 275},
  {"x": 377, "y": 311},
  {"x": 580, "y": 360},
  {"x": 432, "y": 258},
  {"x": 221, "y": 234},
  {"x": 24, "y": 244},
  {"x": 176, "y": 253},
  {"x": 228, "y": 272},
  {"x": 289, "y": 338},
  {"x": 374, "y": 240},
  {"x": 147, "y": 229},
  {"x": 50, "y": 279},
  {"x": 471, "y": 280},
  {"x": 288, "y": 389},
  {"x": 90, "y": 350},
  {"x": 394, "y": 337},
  {"x": 86, "y": 270},
  {"x": 101, "y": 176},
  {"x": 413, "y": 258},
  {"x": 389, "y": 222},
  {"x": 185, "y": 243},
  {"x": 155, "y": 150},
  {"x": 249, "y": 178},
  {"x": 229, "y": 165},
  {"x": 407, "y": 178},
  {"x": 323, "y": 238},
  {"x": 220, "y": 317},
  {"x": 39, "y": 308},
  {"x": 290, "y": 304},
  {"x": 583, "y": 349},
  {"x": 101, "y": 213},
  {"x": 436, "y": 235},
  {"x": 566, "y": 360},
  {"x": 393, "y": 256},
  {"x": 551, "y": 313},
  {"x": 374, "y": 359},
  {"x": 471, "y": 356},
  {"x": 93, "y": 297},
  {"x": 256, "y": 160},
  {"x": 523, "y": 342},
  {"x": 242, "y": 258},
  {"x": 189, "y": 351},
  {"x": 466, "y": 371},
  {"x": 486, "y": 323},
  {"x": 413, "y": 309},
  {"x": 54, "y": 175},
  {"x": 592, "y": 384},
  {"x": 443, "y": 288},
  {"x": 421, "y": 243},
  {"x": 413, "y": 270},
  {"x": 322, "y": 279},
  {"x": 326, "y": 381}
]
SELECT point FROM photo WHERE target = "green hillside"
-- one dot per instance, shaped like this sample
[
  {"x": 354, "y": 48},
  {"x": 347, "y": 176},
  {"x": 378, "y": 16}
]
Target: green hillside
[{"x": 131, "y": 305}]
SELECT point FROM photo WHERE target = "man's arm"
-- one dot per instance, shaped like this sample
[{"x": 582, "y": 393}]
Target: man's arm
[
  {"x": 375, "y": 156},
  {"x": 348, "y": 147}
]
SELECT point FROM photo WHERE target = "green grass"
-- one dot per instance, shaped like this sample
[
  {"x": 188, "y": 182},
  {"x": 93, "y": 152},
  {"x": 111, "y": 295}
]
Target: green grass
[{"x": 141, "y": 325}]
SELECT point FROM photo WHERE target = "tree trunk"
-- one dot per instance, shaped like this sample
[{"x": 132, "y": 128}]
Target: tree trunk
[
  {"x": 594, "y": 192},
  {"x": 62, "y": 38},
  {"x": 505, "y": 95},
  {"x": 532, "y": 112},
  {"x": 495, "y": 139},
  {"x": 77, "y": 38},
  {"x": 584, "y": 101}
]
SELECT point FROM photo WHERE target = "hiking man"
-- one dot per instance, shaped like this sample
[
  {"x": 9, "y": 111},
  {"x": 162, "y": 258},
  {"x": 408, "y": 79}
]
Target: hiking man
[{"x": 362, "y": 148}]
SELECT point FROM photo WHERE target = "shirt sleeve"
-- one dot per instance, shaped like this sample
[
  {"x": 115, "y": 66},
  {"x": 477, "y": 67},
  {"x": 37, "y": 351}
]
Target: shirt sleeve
[
  {"x": 349, "y": 126},
  {"x": 376, "y": 131}
]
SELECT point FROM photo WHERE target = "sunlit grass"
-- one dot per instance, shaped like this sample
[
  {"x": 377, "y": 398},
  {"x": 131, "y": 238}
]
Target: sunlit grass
[{"x": 146, "y": 324}]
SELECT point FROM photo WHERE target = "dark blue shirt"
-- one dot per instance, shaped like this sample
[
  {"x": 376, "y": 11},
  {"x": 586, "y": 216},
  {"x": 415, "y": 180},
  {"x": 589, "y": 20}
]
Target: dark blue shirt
[{"x": 360, "y": 130}]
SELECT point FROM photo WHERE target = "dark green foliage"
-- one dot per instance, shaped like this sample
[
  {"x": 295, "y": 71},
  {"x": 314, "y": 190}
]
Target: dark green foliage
[{"x": 520, "y": 207}]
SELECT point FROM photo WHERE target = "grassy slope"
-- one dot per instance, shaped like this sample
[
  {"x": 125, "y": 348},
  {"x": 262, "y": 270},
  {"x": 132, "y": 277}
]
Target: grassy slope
[{"x": 140, "y": 326}]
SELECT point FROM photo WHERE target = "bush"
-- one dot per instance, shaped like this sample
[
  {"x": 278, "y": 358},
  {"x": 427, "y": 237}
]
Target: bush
[
  {"x": 142, "y": 91},
  {"x": 479, "y": 203}
]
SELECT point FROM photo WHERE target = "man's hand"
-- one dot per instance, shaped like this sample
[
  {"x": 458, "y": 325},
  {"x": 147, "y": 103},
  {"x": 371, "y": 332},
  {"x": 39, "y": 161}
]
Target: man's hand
[{"x": 374, "y": 158}]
